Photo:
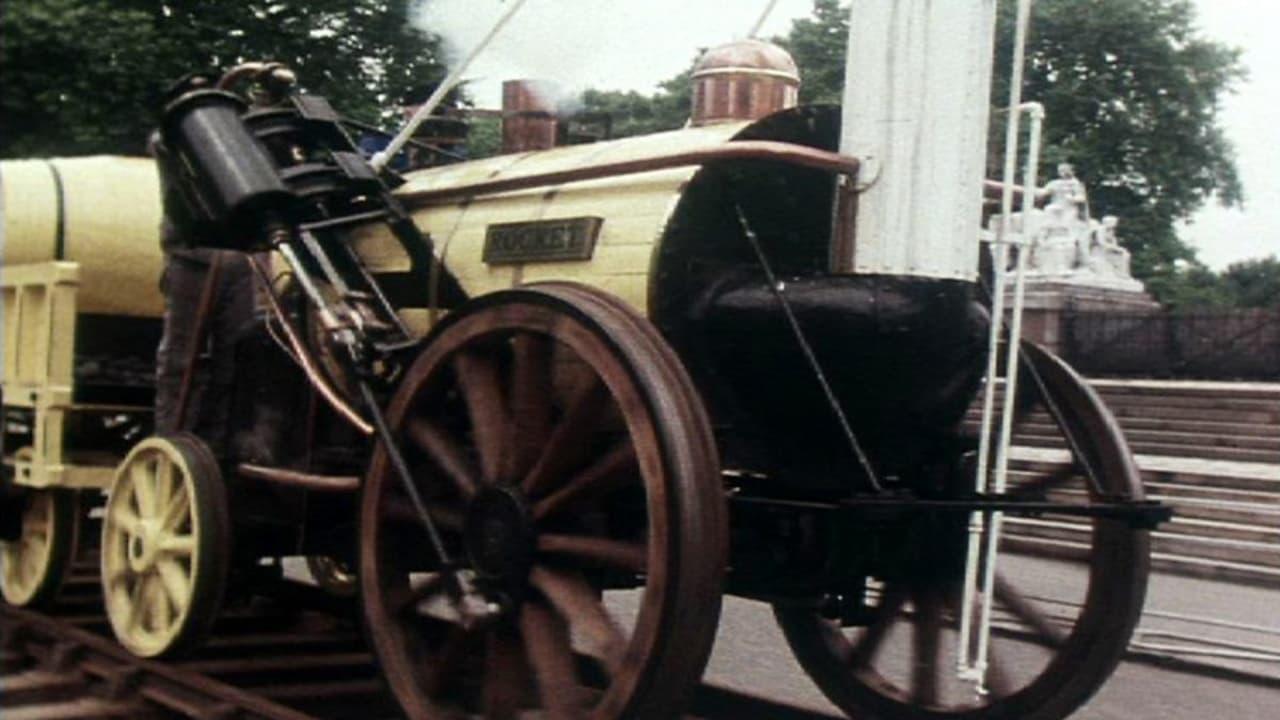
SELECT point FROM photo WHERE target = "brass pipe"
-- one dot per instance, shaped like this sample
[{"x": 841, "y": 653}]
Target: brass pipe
[
  {"x": 198, "y": 337},
  {"x": 306, "y": 481},
  {"x": 742, "y": 150},
  {"x": 307, "y": 362}
]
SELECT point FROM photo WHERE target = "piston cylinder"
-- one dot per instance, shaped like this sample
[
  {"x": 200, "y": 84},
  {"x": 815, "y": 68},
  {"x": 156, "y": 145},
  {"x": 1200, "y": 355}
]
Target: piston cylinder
[{"x": 226, "y": 176}]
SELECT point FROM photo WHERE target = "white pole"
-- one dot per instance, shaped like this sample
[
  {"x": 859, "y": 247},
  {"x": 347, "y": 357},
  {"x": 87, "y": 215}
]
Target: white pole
[
  {"x": 384, "y": 156},
  {"x": 764, "y": 16},
  {"x": 970, "y": 667}
]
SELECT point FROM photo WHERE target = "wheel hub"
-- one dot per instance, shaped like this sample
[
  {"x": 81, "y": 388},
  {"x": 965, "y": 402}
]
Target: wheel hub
[
  {"x": 499, "y": 535},
  {"x": 143, "y": 547}
]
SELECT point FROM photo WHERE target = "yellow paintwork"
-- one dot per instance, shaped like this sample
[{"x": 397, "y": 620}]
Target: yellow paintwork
[
  {"x": 150, "y": 547},
  {"x": 39, "y": 303},
  {"x": 635, "y": 209},
  {"x": 111, "y": 220}
]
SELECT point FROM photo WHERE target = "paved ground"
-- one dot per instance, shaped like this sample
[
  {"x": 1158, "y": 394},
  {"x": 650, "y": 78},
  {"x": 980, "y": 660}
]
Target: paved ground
[{"x": 751, "y": 656}]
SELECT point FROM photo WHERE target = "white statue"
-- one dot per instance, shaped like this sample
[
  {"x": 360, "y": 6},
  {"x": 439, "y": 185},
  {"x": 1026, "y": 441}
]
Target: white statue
[
  {"x": 1065, "y": 244},
  {"x": 1106, "y": 256},
  {"x": 1068, "y": 203}
]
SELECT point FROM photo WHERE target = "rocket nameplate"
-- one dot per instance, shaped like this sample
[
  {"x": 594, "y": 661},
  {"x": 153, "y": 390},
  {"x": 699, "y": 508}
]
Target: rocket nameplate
[{"x": 541, "y": 241}]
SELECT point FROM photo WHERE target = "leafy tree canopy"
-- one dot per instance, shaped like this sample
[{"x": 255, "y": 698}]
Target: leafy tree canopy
[
  {"x": 84, "y": 76},
  {"x": 1131, "y": 92},
  {"x": 1132, "y": 95}
]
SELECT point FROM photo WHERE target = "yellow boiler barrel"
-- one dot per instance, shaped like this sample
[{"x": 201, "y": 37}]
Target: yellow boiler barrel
[{"x": 101, "y": 212}]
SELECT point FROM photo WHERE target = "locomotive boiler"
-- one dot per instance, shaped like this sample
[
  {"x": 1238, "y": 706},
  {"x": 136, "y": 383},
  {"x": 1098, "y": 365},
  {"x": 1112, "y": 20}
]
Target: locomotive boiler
[{"x": 554, "y": 404}]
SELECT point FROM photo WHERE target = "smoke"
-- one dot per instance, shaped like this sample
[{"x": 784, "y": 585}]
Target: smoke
[{"x": 603, "y": 44}]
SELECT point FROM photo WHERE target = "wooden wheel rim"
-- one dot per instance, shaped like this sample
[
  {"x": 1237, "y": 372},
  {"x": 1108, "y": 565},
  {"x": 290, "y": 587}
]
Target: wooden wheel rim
[
  {"x": 1084, "y": 657},
  {"x": 150, "y": 553},
  {"x": 544, "y": 314}
]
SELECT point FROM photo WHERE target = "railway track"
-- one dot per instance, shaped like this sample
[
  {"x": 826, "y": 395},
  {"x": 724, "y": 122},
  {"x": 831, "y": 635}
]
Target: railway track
[{"x": 300, "y": 656}]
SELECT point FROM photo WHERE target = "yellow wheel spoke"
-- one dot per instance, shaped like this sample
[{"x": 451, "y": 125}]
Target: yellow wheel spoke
[
  {"x": 164, "y": 482},
  {"x": 162, "y": 610},
  {"x": 176, "y": 583},
  {"x": 144, "y": 488},
  {"x": 177, "y": 511},
  {"x": 134, "y": 608},
  {"x": 127, "y": 520},
  {"x": 178, "y": 545}
]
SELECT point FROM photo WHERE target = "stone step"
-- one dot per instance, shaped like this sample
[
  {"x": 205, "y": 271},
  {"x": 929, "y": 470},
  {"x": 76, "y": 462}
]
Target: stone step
[
  {"x": 1170, "y": 449},
  {"x": 1187, "y": 388},
  {"x": 1220, "y": 570},
  {"x": 1196, "y": 425},
  {"x": 1245, "y": 552},
  {"x": 1250, "y": 477},
  {"x": 1178, "y": 491},
  {"x": 1147, "y": 413},
  {"x": 1234, "y": 415},
  {"x": 1178, "y": 400},
  {"x": 1262, "y": 440},
  {"x": 1209, "y": 516}
]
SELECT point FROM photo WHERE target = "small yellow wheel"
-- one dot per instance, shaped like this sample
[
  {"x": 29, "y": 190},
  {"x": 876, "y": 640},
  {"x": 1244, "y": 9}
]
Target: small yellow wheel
[
  {"x": 33, "y": 567},
  {"x": 165, "y": 546},
  {"x": 332, "y": 575}
]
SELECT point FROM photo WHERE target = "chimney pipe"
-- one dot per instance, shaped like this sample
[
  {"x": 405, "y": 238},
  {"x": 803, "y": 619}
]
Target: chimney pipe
[
  {"x": 917, "y": 93},
  {"x": 528, "y": 115}
]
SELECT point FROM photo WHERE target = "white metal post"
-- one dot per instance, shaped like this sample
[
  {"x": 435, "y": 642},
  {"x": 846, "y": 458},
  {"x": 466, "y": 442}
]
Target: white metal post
[
  {"x": 382, "y": 157},
  {"x": 971, "y": 667}
]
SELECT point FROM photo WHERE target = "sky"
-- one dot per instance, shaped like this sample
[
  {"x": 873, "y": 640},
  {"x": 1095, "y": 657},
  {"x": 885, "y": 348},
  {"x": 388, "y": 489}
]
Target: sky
[{"x": 630, "y": 45}]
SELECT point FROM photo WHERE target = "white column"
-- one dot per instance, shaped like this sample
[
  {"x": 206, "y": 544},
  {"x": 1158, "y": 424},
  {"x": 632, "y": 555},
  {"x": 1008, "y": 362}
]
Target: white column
[{"x": 917, "y": 94}]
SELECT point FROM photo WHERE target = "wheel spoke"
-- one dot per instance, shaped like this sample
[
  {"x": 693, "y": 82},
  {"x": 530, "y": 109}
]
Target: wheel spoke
[
  {"x": 127, "y": 521},
  {"x": 505, "y": 675},
  {"x": 999, "y": 683},
  {"x": 161, "y": 605},
  {"x": 178, "y": 545},
  {"x": 546, "y": 642},
  {"x": 608, "y": 473},
  {"x": 164, "y": 483},
  {"x": 1046, "y": 483},
  {"x": 569, "y": 441},
  {"x": 599, "y": 551},
  {"x": 175, "y": 581},
  {"x": 868, "y": 646},
  {"x": 400, "y": 510},
  {"x": 405, "y": 597},
  {"x": 578, "y": 604},
  {"x": 481, "y": 388},
  {"x": 1027, "y": 612},
  {"x": 136, "y": 595},
  {"x": 144, "y": 490},
  {"x": 446, "y": 454},
  {"x": 926, "y": 649},
  {"x": 530, "y": 400},
  {"x": 176, "y": 513},
  {"x": 444, "y": 662}
]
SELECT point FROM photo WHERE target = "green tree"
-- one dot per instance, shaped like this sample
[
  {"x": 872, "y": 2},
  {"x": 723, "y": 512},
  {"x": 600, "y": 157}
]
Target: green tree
[
  {"x": 1254, "y": 283},
  {"x": 819, "y": 44},
  {"x": 637, "y": 114},
  {"x": 84, "y": 76},
  {"x": 1132, "y": 96}
]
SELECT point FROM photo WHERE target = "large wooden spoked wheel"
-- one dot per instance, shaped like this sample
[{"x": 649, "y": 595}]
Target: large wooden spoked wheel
[
  {"x": 165, "y": 546},
  {"x": 1068, "y": 592},
  {"x": 565, "y": 455},
  {"x": 33, "y": 567}
]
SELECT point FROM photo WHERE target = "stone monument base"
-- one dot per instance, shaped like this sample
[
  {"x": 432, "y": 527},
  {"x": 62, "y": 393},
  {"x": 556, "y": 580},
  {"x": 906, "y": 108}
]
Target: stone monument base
[{"x": 1046, "y": 300}]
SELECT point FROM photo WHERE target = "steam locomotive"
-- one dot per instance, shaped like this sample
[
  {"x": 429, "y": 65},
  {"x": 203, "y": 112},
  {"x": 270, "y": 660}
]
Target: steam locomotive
[{"x": 546, "y": 408}]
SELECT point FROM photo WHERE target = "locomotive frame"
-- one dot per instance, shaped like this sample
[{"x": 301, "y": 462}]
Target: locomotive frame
[{"x": 711, "y": 411}]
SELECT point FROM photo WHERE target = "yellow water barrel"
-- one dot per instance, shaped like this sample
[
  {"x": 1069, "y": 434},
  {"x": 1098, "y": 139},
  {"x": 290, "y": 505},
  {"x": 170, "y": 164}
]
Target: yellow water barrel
[{"x": 102, "y": 212}]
